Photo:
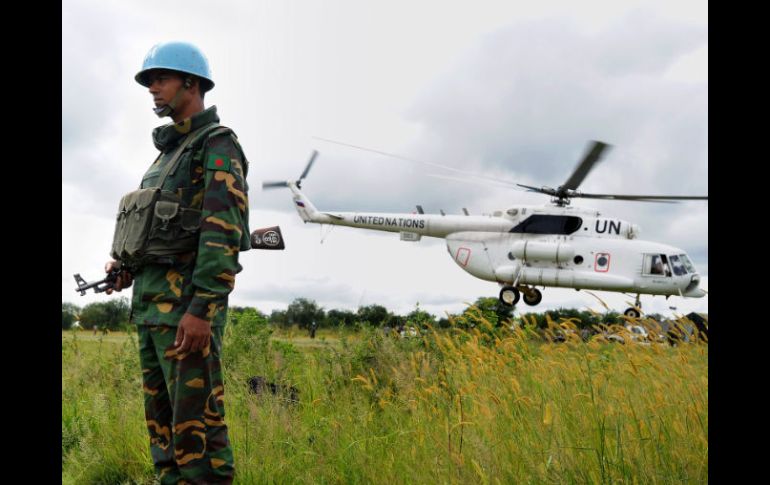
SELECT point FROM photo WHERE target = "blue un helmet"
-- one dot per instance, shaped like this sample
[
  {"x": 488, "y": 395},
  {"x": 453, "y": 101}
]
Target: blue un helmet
[{"x": 177, "y": 56}]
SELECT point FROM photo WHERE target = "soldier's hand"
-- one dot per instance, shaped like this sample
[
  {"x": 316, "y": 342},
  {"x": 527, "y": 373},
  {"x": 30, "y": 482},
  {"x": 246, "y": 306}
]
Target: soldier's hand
[
  {"x": 124, "y": 279},
  {"x": 193, "y": 334}
]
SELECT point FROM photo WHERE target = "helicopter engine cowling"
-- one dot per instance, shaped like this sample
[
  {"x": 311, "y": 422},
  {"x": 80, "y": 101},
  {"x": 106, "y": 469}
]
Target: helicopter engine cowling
[
  {"x": 632, "y": 231},
  {"x": 471, "y": 255},
  {"x": 508, "y": 273},
  {"x": 543, "y": 251}
]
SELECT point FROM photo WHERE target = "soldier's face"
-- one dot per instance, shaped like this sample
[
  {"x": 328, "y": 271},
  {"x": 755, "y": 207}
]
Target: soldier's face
[{"x": 163, "y": 85}]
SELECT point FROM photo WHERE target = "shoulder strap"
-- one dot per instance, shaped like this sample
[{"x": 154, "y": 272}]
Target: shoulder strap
[
  {"x": 219, "y": 131},
  {"x": 170, "y": 167}
]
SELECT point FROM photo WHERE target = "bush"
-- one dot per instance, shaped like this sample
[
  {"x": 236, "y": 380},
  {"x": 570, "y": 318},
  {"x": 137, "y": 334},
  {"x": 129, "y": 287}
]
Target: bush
[
  {"x": 111, "y": 315},
  {"x": 69, "y": 315}
]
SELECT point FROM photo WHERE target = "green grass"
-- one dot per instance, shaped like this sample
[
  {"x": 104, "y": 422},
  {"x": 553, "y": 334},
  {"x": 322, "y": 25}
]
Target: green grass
[{"x": 451, "y": 407}]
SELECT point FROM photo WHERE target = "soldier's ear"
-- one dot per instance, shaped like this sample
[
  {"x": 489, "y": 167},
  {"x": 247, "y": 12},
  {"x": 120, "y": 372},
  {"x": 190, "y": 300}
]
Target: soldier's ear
[{"x": 187, "y": 83}]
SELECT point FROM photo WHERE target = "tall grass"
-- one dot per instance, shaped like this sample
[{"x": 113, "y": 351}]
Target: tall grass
[{"x": 459, "y": 406}]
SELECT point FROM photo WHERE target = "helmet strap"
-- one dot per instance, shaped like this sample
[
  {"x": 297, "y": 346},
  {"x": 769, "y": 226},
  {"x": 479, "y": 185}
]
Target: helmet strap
[{"x": 169, "y": 108}]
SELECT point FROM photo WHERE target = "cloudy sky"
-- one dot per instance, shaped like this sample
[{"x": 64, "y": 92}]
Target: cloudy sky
[{"x": 512, "y": 90}]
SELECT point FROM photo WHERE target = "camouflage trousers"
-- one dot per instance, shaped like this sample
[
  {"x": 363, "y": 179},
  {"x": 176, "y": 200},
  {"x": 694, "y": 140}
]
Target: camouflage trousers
[{"x": 184, "y": 408}]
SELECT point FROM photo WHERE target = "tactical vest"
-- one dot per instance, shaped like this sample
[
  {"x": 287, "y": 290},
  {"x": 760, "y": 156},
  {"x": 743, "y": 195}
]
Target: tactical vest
[{"x": 153, "y": 223}]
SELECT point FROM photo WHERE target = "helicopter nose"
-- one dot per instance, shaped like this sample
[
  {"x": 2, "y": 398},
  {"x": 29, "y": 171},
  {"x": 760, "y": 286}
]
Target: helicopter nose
[{"x": 692, "y": 289}]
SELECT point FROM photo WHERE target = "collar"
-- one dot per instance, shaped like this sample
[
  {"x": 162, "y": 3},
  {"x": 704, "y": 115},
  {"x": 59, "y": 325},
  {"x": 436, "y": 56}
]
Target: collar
[{"x": 167, "y": 137}]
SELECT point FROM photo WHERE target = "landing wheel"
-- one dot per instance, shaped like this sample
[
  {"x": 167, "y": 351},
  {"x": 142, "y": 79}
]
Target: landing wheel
[
  {"x": 509, "y": 296},
  {"x": 632, "y": 313},
  {"x": 533, "y": 297}
]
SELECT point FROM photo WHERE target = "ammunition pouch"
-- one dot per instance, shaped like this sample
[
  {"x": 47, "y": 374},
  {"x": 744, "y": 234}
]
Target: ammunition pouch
[{"x": 153, "y": 223}]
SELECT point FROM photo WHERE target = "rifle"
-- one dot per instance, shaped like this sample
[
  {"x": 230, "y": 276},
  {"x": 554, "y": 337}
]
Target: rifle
[
  {"x": 98, "y": 286},
  {"x": 267, "y": 238}
]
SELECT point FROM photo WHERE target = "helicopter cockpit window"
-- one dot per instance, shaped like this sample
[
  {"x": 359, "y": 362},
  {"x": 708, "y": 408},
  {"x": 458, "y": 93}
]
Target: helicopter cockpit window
[
  {"x": 656, "y": 265},
  {"x": 548, "y": 224},
  {"x": 677, "y": 265},
  {"x": 687, "y": 263}
]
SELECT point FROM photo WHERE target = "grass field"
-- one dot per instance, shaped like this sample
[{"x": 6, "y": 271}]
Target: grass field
[{"x": 480, "y": 406}]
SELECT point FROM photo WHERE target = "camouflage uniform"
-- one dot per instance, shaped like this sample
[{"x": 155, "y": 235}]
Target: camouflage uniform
[{"x": 184, "y": 391}]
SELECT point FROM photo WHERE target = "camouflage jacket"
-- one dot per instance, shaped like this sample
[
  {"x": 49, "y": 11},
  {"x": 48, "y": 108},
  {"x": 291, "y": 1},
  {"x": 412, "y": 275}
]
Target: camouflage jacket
[{"x": 211, "y": 176}]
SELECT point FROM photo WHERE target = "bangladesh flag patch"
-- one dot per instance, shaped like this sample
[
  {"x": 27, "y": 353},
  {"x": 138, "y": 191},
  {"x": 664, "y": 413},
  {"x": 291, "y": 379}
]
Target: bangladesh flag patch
[{"x": 218, "y": 162}]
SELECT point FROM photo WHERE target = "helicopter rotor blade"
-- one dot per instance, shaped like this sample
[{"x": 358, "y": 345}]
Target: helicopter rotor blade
[
  {"x": 581, "y": 171},
  {"x": 482, "y": 181},
  {"x": 309, "y": 164},
  {"x": 540, "y": 190},
  {"x": 567, "y": 191},
  {"x": 430, "y": 164},
  {"x": 641, "y": 198},
  {"x": 274, "y": 185},
  {"x": 628, "y": 199},
  {"x": 278, "y": 184}
]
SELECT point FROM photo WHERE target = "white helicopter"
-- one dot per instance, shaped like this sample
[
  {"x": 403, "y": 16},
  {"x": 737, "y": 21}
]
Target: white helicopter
[{"x": 526, "y": 246}]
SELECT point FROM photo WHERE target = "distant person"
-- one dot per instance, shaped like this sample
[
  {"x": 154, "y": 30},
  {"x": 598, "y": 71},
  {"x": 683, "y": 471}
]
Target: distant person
[
  {"x": 313, "y": 327},
  {"x": 657, "y": 265}
]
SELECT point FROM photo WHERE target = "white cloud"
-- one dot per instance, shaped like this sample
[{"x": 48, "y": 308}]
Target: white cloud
[{"x": 507, "y": 89}]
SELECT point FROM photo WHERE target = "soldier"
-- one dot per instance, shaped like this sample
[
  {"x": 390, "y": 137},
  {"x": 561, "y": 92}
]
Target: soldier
[{"x": 177, "y": 240}]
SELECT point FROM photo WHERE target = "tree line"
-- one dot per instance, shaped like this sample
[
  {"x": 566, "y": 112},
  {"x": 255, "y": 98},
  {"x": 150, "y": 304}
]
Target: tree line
[
  {"x": 303, "y": 312},
  {"x": 110, "y": 315}
]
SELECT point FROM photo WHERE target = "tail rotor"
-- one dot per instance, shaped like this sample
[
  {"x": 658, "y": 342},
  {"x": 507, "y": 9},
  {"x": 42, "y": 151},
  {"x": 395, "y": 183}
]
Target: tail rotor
[{"x": 298, "y": 182}]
